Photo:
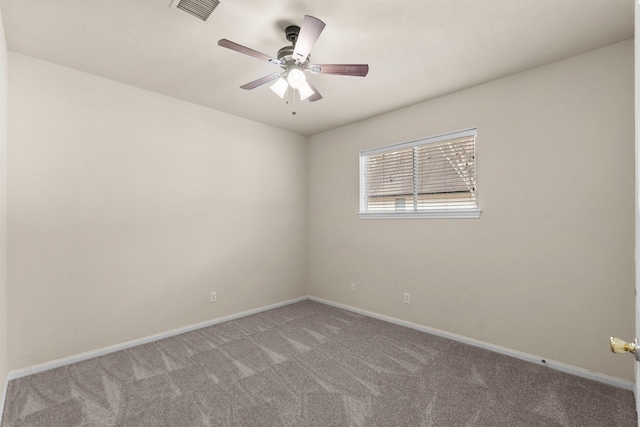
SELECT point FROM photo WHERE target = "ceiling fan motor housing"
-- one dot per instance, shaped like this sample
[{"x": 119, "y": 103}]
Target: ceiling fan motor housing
[{"x": 285, "y": 56}]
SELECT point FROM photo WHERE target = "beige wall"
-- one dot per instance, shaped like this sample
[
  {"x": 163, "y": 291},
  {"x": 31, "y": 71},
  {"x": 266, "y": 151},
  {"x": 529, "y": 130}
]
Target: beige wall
[
  {"x": 3, "y": 206},
  {"x": 127, "y": 208},
  {"x": 548, "y": 268}
]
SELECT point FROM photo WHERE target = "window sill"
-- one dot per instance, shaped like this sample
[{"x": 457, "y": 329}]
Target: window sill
[{"x": 458, "y": 213}]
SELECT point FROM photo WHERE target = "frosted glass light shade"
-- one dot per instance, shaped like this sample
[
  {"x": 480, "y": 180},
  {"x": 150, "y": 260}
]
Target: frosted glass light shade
[
  {"x": 280, "y": 87},
  {"x": 296, "y": 78},
  {"x": 305, "y": 91}
]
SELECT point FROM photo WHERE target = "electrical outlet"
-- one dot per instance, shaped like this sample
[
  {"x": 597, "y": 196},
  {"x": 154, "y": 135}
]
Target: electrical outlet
[
  {"x": 213, "y": 297},
  {"x": 407, "y": 298},
  {"x": 353, "y": 287}
]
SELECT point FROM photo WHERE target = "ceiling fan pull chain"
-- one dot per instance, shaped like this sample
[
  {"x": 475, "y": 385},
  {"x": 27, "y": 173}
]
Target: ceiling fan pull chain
[{"x": 292, "y": 91}]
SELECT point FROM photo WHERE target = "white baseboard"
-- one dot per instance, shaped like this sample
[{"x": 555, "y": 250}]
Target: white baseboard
[
  {"x": 559, "y": 366},
  {"x": 19, "y": 373}
]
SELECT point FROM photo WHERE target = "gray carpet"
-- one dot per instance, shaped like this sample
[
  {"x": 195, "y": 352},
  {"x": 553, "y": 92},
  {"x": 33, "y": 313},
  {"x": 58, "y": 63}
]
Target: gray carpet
[{"x": 308, "y": 364}]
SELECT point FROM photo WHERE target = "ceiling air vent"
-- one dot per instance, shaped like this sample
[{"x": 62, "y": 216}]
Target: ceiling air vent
[{"x": 201, "y": 9}]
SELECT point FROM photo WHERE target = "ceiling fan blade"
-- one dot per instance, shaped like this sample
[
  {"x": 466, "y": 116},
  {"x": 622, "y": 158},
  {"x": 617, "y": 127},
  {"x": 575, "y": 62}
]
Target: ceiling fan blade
[
  {"x": 247, "y": 51},
  {"x": 359, "y": 70},
  {"x": 266, "y": 79},
  {"x": 316, "y": 95},
  {"x": 309, "y": 32}
]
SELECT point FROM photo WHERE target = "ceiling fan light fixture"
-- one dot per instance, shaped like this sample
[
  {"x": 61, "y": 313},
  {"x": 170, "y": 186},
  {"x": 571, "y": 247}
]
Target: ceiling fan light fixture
[
  {"x": 305, "y": 91},
  {"x": 296, "y": 78},
  {"x": 280, "y": 87},
  {"x": 295, "y": 60}
]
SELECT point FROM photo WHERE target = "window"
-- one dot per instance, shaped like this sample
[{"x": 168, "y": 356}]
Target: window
[{"x": 432, "y": 177}]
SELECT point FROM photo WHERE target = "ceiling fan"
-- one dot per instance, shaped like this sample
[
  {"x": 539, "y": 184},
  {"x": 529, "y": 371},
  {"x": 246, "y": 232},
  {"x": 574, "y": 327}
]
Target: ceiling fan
[{"x": 295, "y": 61}]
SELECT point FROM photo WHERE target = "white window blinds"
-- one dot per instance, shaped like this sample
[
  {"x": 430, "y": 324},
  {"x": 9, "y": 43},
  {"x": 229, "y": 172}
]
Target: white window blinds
[{"x": 434, "y": 175}]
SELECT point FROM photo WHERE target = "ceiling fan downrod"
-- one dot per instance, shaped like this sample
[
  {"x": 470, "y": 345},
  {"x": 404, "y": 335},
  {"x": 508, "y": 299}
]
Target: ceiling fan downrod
[{"x": 291, "y": 33}]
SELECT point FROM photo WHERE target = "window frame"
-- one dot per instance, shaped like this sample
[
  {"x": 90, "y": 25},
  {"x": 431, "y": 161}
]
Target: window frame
[{"x": 431, "y": 213}]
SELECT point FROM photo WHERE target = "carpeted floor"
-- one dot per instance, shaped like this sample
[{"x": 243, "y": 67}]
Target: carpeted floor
[{"x": 308, "y": 364}]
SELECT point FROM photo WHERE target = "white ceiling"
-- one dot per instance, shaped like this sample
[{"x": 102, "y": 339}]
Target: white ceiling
[{"x": 416, "y": 49}]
